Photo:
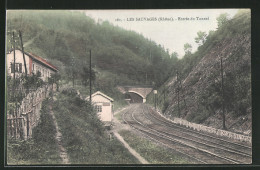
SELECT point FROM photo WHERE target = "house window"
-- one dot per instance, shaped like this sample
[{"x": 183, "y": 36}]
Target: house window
[
  {"x": 33, "y": 68},
  {"x": 98, "y": 108},
  {"x": 18, "y": 67}
]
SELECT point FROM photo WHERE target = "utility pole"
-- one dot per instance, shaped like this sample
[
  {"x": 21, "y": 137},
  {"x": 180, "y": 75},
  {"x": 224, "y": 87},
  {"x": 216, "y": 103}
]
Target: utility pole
[
  {"x": 73, "y": 72},
  {"x": 14, "y": 89},
  {"x": 183, "y": 95},
  {"x": 20, "y": 35},
  {"x": 178, "y": 88},
  {"x": 222, "y": 91},
  {"x": 164, "y": 94},
  {"x": 155, "y": 99},
  {"x": 14, "y": 56},
  {"x": 90, "y": 93},
  {"x": 145, "y": 78}
]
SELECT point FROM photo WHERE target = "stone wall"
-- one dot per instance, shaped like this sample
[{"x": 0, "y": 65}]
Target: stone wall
[
  {"x": 202, "y": 128},
  {"x": 26, "y": 116}
]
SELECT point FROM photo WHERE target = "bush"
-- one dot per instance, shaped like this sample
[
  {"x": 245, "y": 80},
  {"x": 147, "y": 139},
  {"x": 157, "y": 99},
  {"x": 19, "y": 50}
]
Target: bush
[
  {"x": 42, "y": 148},
  {"x": 83, "y": 134}
]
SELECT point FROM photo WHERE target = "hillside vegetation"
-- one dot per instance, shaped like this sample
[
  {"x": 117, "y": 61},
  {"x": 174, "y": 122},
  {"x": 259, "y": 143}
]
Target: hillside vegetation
[
  {"x": 118, "y": 56},
  {"x": 42, "y": 148},
  {"x": 200, "y": 94},
  {"x": 83, "y": 135}
]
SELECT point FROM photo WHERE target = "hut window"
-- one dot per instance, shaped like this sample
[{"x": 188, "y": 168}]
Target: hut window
[{"x": 98, "y": 108}]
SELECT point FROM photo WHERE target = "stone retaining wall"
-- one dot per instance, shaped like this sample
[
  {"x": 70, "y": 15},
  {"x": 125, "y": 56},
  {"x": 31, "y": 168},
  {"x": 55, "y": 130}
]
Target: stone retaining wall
[
  {"x": 219, "y": 132},
  {"x": 26, "y": 116}
]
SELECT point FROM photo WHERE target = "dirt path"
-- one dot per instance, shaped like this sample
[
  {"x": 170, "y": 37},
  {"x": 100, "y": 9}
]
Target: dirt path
[
  {"x": 63, "y": 152},
  {"x": 131, "y": 150},
  {"x": 119, "y": 126}
]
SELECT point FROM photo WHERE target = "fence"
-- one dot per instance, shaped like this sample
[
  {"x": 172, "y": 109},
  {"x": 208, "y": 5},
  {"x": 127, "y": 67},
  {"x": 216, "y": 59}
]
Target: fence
[
  {"x": 212, "y": 130},
  {"x": 26, "y": 115}
]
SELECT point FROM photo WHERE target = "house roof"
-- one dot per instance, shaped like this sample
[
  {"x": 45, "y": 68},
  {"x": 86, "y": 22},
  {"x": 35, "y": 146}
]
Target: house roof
[
  {"x": 40, "y": 60},
  {"x": 102, "y": 94}
]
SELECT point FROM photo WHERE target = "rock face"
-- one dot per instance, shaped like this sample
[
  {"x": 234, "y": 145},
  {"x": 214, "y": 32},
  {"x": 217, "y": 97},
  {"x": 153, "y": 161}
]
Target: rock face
[{"x": 200, "y": 95}]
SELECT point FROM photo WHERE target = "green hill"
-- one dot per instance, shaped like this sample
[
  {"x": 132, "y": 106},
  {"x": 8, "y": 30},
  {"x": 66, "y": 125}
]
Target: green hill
[
  {"x": 119, "y": 56},
  {"x": 200, "y": 94}
]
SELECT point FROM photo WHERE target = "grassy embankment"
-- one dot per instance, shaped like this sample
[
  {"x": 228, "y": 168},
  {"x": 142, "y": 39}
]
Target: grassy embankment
[
  {"x": 83, "y": 135},
  {"x": 153, "y": 153},
  {"x": 42, "y": 148}
]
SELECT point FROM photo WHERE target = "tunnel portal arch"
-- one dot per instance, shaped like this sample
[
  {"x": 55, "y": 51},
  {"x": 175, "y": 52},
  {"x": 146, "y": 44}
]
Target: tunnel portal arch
[{"x": 134, "y": 97}]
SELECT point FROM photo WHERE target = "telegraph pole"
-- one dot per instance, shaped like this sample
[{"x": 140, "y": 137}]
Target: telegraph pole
[
  {"x": 222, "y": 91},
  {"x": 178, "y": 88},
  {"x": 145, "y": 78},
  {"x": 90, "y": 93},
  {"x": 14, "y": 89},
  {"x": 73, "y": 71},
  {"x": 14, "y": 56},
  {"x": 181, "y": 88},
  {"x": 20, "y": 35},
  {"x": 155, "y": 99},
  {"x": 164, "y": 94}
]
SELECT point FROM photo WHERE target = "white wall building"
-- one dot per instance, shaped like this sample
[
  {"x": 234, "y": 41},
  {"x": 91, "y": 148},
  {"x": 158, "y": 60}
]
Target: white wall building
[
  {"x": 33, "y": 62},
  {"x": 104, "y": 107}
]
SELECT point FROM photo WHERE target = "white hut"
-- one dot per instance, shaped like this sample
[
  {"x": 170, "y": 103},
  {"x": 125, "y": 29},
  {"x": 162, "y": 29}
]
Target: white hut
[{"x": 104, "y": 107}]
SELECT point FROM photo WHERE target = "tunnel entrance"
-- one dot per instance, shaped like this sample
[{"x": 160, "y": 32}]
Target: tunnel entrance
[{"x": 133, "y": 97}]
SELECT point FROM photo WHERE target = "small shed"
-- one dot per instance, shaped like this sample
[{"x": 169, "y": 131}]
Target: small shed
[{"x": 104, "y": 107}]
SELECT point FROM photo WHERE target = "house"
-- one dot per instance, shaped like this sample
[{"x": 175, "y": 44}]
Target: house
[
  {"x": 33, "y": 62},
  {"x": 104, "y": 107}
]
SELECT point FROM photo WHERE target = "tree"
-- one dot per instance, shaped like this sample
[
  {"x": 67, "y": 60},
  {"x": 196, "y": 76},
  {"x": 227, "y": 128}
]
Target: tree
[
  {"x": 187, "y": 48},
  {"x": 55, "y": 77},
  {"x": 85, "y": 75},
  {"x": 222, "y": 19},
  {"x": 174, "y": 55},
  {"x": 201, "y": 38}
]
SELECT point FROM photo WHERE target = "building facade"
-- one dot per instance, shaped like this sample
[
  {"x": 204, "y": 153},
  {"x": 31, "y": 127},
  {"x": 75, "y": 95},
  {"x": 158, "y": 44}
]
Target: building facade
[{"x": 33, "y": 62}]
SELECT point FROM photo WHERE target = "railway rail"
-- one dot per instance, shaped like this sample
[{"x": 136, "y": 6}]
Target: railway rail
[{"x": 199, "y": 147}]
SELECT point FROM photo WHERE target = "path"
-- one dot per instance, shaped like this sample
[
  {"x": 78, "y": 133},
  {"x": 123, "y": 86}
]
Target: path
[
  {"x": 119, "y": 126},
  {"x": 63, "y": 152},
  {"x": 131, "y": 150}
]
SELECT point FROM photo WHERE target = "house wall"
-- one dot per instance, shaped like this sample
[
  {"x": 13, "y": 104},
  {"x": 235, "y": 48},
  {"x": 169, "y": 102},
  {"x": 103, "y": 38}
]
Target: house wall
[
  {"x": 18, "y": 59},
  {"x": 45, "y": 71},
  {"x": 106, "y": 115},
  {"x": 31, "y": 65}
]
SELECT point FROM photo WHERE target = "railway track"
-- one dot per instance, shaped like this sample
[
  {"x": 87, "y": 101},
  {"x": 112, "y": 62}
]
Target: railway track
[{"x": 202, "y": 148}]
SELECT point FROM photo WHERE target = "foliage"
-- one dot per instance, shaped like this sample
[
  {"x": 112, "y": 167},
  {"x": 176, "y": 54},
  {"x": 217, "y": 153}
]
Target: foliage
[
  {"x": 187, "y": 48},
  {"x": 237, "y": 79},
  {"x": 85, "y": 75},
  {"x": 201, "y": 37},
  {"x": 32, "y": 82},
  {"x": 165, "y": 106},
  {"x": 83, "y": 135},
  {"x": 18, "y": 88},
  {"x": 64, "y": 34},
  {"x": 222, "y": 19},
  {"x": 41, "y": 149},
  {"x": 54, "y": 79}
]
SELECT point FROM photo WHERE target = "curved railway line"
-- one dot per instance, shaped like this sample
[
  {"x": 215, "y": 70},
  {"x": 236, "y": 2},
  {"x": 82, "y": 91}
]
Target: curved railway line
[{"x": 199, "y": 147}]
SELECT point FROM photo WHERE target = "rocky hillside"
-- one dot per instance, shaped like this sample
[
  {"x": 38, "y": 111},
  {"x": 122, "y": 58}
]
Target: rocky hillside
[{"x": 200, "y": 91}]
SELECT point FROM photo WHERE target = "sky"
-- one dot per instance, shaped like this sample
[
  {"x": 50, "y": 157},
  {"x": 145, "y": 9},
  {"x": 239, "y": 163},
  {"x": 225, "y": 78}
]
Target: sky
[{"x": 170, "y": 28}]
